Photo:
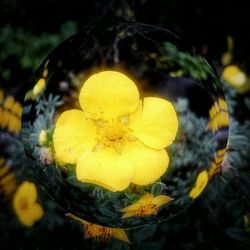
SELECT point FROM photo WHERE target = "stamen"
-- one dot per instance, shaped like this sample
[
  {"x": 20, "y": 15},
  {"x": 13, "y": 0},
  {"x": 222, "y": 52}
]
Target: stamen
[{"x": 113, "y": 134}]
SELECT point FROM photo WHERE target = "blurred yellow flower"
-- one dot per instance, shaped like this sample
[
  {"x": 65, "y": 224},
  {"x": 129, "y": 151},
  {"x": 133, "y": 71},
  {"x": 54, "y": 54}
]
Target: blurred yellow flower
[
  {"x": 116, "y": 140},
  {"x": 201, "y": 183},
  {"x": 25, "y": 206},
  {"x": 100, "y": 233},
  {"x": 10, "y": 114},
  {"x": 147, "y": 205},
  {"x": 234, "y": 76}
]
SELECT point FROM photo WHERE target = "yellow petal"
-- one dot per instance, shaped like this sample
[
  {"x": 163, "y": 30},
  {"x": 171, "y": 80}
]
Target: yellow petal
[
  {"x": 201, "y": 183},
  {"x": 74, "y": 134},
  {"x": 109, "y": 94},
  {"x": 36, "y": 212},
  {"x": 39, "y": 87},
  {"x": 147, "y": 198},
  {"x": 157, "y": 124},
  {"x": 17, "y": 109},
  {"x": 26, "y": 191},
  {"x": 148, "y": 164},
  {"x": 9, "y": 102},
  {"x": 120, "y": 234},
  {"x": 105, "y": 168},
  {"x": 25, "y": 219},
  {"x": 131, "y": 208},
  {"x": 5, "y": 118},
  {"x": 129, "y": 214},
  {"x": 161, "y": 200},
  {"x": 31, "y": 215}
]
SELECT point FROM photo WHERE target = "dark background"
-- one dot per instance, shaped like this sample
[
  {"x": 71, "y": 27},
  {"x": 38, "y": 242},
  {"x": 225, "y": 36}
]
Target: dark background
[{"x": 198, "y": 21}]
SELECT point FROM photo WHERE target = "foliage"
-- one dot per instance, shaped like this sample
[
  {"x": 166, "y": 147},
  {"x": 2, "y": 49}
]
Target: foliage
[{"x": 26, "y": 49}]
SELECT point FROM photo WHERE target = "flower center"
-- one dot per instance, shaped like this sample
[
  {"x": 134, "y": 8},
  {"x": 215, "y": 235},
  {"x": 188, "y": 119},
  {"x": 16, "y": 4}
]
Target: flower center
[
  {"x": 148, "y": 209},
  {"x": 98, "y": 232},
  {"x": 113, "y": 134}
]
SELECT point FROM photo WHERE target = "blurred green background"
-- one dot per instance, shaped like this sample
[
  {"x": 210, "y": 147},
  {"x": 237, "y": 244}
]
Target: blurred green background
[{"x": 220, "y": 218}]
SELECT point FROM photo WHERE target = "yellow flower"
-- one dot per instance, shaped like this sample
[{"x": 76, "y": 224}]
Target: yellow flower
[
  {"x": 100, "y": 233},
  {"x": 116, "y": 140},
  {"x": 25, "y": 206},
  {"x": 201, "y": 183},
  {"x": 237, "y": 78},
  {"x": 147, "y": 205}
]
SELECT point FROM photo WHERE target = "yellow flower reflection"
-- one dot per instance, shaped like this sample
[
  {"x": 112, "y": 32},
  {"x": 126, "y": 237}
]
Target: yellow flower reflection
[
  {"x": 116, "y": 139},
  {"x": 235, "y": 77},
  {"x": 25, "y": 206},
  {"x": 201, "y": 183},
  {"x": 100, "y": 233},
  {"x": 147, "y": 205}
]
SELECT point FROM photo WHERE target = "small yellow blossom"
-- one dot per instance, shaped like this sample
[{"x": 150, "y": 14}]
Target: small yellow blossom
[
  {"x": 234, "y": 76},
  {"x": 116, "y": 139},
  {"x": 201, "y": 183},
  {"x": 42, "y": 137},
  {"x": 147, "y": 205},
  {"x": 100, "y": 233},
  {"x": 25, "y": 206}
]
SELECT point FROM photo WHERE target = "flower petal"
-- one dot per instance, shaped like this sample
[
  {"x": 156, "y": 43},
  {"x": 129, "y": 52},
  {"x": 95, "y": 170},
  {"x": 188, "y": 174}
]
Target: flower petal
[
  {"x": 148, "y": 164},
  {"x": 74, "y": 134},
  {"x": 105, "y": 168},
  {"x": 156, "y": 126},
  {"x": 31, "y": 215},
  {"x": 108, "y": 94},
  {"x": 36, "y": 212},
  {"x": 26, "y": 191},
  {"x": 120, "y": 234},
  {"x": 131, "y": 208},
  {"x": 201, "y": 183},
  {"x": 129, "y": 214},
  {"x": 147, "y": 198},
  {"x": 161, "y": 200}
]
